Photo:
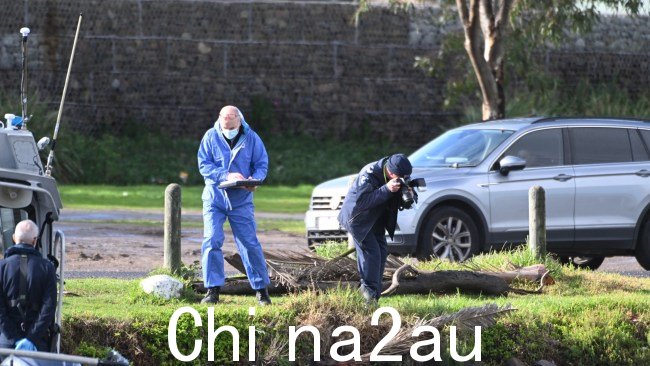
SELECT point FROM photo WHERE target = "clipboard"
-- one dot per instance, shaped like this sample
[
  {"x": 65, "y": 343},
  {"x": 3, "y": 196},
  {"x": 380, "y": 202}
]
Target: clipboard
[{"x": 240, "y": 183}]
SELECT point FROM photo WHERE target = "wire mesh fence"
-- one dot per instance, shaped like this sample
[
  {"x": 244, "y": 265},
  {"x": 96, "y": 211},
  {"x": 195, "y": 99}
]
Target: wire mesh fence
[{"x": 291, "y": 66}]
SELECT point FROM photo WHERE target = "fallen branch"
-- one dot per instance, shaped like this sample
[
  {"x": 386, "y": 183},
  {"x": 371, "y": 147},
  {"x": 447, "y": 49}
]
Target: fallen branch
[
  {"x": 446, "y": 282},
  {"x": 534, "y": 273},
  {"x": 396, "y": 276},
  {"x": 293, "y": 272},
  {"x": 465, "y": 319}
]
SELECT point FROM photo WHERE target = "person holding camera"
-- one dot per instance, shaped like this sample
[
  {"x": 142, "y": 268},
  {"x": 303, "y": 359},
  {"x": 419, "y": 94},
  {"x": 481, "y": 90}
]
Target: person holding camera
[
  {"x": 369, "y": 209},
  {"x": 231, "y": 151},
  {"x": 28, "y": 283}
]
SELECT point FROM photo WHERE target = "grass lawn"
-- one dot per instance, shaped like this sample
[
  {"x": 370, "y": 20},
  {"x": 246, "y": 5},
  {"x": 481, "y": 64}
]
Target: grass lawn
[
  {"x": 285, "y": 225},
  {"x": 585, "y": 318},
  {"x": 281, "y": 199}
]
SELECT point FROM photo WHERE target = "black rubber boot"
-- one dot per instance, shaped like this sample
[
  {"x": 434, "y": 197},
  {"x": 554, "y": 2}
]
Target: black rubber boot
[
  {"x": 263, "y": 297},
  {"x": 212, "y": 297}
]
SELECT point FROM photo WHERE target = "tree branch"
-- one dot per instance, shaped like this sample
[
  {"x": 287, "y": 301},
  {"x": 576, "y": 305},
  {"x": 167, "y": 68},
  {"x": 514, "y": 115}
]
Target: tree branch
[
  {"x": 463, "y": 13},
  {"x": 396, "y": 276},
  {"x": 494, "y": 31},
  {"x": 487, "y": 21},
  {"x": 502, "y": 13}
]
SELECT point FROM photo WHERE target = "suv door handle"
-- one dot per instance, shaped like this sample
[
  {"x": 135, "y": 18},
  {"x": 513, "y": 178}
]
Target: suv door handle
[
  {"x": 563, "y": 177},
  {"x": 643, "y": 173}
]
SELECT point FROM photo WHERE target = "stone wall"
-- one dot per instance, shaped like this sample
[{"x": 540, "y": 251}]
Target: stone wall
[
  {"x": 171, "y": 64},
  {"x": 616, "y": 52}
]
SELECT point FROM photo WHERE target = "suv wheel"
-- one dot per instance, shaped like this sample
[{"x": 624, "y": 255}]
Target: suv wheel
[
  {"x": 449, "y": 233},
  {"x": 642, "y": 252},
  {"x": 591, "y": 263}
]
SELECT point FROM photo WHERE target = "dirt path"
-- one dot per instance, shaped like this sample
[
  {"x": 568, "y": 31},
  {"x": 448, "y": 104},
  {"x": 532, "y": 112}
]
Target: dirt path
[{"x": 97, "y": 249}]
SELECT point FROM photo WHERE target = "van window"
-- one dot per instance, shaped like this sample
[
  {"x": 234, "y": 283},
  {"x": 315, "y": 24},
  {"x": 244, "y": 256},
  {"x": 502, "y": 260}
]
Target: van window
[
  {"x": 596, "y": 145},
  {"x": 639, "y": 153},
  {"x": 9, "y": 217},
  {"x": 539, "y": 148}
]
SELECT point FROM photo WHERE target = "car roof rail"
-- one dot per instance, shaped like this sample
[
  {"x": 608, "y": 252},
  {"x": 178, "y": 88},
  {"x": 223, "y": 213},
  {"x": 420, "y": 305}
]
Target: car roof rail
[{"x": 559, "y": 118}]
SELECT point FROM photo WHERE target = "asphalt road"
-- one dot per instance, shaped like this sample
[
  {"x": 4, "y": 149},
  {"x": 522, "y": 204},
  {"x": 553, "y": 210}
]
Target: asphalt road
[{"x": 627, "y": 266}]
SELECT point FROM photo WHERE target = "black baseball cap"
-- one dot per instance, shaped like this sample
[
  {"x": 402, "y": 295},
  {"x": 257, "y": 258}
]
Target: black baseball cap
[{"x": 399, "y": 164}]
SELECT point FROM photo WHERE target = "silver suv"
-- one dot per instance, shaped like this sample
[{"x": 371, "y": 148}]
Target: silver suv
[{"x": 595, "y": 171}]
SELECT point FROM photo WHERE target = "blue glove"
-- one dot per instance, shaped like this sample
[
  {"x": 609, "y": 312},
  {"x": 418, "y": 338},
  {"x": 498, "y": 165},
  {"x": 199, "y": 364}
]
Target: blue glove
[{"x": 25, "y": 345}]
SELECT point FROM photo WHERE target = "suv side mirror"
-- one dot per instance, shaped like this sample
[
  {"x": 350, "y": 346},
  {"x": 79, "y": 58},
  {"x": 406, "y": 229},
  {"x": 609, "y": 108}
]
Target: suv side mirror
[{"x": 510, "y": 163}]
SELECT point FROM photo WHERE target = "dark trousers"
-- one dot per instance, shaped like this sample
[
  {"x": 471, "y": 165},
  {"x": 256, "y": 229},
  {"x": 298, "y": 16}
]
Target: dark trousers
[
  {"x": 41, "y": 344},
  {"x": 371, "y": 260}
]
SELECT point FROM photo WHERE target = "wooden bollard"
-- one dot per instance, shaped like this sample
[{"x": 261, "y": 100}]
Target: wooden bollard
[
  {"x": 537, "y": 221},
  {"x": 172, "y": 238}
]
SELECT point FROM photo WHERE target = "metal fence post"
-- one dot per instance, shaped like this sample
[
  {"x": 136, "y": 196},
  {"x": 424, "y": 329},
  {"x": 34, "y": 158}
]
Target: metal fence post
[
  {"x": 537, "y": 221},
  {"x": 172, "y": 238}
]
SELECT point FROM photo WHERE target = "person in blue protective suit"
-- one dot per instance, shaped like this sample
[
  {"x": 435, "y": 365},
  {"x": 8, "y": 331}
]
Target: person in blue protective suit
[
  {"x": 368, "y": 211},
  {"x": 231, "y": 150},
  {"x": 28, "y": 303}
]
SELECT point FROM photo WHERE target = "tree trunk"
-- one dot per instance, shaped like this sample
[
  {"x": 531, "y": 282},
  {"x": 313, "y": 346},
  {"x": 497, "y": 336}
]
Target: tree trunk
[
  {"x": 449, "y": 282},
  {"x": 488, "y": 65},
  {"x": 445, "y": 282},
  {"x": 471, "y": 20},
  {"x": 501, "y": 95}
]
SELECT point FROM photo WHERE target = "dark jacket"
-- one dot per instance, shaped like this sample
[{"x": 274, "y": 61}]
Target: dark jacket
[
  {"x": 368, "y": 202},
  {"x": 41, "y": 297}
]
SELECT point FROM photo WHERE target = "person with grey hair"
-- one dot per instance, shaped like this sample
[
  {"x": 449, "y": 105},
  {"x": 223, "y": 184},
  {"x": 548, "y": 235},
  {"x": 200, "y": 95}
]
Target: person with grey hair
[
  {"x": 28, "y": 299},
  {"x": 26, "y": 232},
  {"x": 229, "y": 151}
]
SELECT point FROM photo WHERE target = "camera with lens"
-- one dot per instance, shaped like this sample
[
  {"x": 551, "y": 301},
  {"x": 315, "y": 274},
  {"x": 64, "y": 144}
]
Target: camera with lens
[{"x": 408, "y": 196}]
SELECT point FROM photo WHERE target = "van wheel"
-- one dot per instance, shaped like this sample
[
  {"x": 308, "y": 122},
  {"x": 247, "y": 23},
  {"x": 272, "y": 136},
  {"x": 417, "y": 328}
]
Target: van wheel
[
  {"x": 449, "y": 233},
  {"x": 642, "y": 251},
  {"x": 311, "y": 244},
  {"x": 591, "y": 263}
]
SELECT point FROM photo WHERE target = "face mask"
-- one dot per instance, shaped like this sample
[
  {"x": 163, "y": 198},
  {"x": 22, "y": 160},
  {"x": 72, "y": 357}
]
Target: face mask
[{"x": 230, "y": 134}]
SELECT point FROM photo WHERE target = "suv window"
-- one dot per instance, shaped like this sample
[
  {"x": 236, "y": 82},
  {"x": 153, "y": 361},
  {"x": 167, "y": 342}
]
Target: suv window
[
  {"x": 465, "y": 147},
  {"x": 593, "y": 145},
  {"x": 646, "y": 137},
  {"x": 639, "y": 153},
  {"x": 539, "y": 148}
]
